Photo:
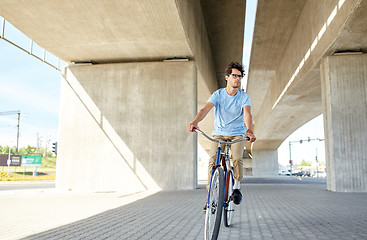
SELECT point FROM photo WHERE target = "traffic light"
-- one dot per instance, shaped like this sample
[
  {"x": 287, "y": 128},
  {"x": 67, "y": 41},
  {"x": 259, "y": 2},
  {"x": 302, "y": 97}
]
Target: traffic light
[
  {"x": 290, "y": 162},
  {"x": 54, "y": 148}
]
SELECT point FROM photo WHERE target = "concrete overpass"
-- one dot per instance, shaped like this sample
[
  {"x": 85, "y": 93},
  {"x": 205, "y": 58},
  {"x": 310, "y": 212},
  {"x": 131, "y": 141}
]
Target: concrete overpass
[
  {"x": 140, "y": 69},
  {"x": 308, "y": 58}
]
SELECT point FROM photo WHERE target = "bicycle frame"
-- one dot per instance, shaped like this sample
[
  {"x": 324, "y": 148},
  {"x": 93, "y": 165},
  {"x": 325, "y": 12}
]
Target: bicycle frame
[
  {"x": 226, "y": 165},
  {"x": 218, "y": 163},
  {"x": 221, "y": 198}
]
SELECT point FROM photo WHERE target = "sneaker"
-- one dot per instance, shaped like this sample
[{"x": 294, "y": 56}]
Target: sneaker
[{"x": 237, "y": 196}]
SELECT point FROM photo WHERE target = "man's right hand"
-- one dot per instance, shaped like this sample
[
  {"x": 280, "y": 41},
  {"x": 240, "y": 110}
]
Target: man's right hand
[{"x": 192, "y": 126}]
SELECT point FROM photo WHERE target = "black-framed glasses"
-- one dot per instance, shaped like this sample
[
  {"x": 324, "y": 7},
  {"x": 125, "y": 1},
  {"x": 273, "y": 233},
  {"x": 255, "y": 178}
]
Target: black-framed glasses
[{"x": 235, "y": 75}]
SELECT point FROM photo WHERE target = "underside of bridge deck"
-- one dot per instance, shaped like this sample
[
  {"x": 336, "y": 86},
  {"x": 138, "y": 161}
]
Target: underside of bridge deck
[
  {"x": 291, "y": 39},
  {"x": 128, "y": 45}
]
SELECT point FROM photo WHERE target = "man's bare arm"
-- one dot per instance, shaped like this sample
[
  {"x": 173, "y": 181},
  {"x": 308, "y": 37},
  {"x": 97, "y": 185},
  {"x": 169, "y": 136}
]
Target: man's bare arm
[
  {"x": 200, "y": 116},
  {"x": 248, "y": 123}
]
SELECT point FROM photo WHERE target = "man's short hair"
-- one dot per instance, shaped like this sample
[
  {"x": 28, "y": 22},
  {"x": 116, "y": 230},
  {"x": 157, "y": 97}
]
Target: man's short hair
[{"x": 234, "y": 65}]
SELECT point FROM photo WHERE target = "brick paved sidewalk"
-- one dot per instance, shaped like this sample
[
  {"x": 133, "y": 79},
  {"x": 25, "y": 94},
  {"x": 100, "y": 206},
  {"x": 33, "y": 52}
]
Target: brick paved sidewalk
[{"x": 269, "y": 211}]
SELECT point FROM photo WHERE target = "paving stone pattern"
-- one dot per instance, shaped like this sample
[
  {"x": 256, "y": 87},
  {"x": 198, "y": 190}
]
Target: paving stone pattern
[{"x": 269, "y": 211}]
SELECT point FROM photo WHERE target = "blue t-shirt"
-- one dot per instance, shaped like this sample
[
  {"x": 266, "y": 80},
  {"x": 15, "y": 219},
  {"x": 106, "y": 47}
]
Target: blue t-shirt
[{"x": 229, "y": 115}]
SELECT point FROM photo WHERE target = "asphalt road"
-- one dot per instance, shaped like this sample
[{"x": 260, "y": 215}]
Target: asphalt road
[
  {"x": 284, "y": 180},
  {"x": 19, "y": 185}
]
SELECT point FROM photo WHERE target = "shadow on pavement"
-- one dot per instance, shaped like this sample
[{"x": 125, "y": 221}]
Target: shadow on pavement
[{"x": 280, "y": 208}]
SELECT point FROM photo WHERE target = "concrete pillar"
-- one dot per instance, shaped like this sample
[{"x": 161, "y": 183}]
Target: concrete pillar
[
  {"x": 247, "y": 167},
  {"x": 344, "y": 95},
  {"x": 264, "y": 163},
  {"x": 247, "y": 162},
  {"x": 122, "y": 127}
]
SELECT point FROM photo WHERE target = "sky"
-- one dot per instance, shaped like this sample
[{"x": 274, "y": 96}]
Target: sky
[
  {"x": 307, "y": 150},
  {"x": 249, "y": 30},
  {"x": 33, "y": 87},
  {"x": 30, "y": 86}
]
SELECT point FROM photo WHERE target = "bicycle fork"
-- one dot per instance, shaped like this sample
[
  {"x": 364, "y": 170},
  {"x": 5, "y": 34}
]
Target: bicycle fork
[
  {"x": 227, "y": 165},
  {"x": 217, "y": 164},
  {"x": 227, "y": 198}
]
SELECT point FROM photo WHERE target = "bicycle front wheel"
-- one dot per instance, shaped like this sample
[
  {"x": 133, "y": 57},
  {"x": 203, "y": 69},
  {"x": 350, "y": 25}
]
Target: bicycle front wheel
[
  {"x": 228, "y": 204},
  {"x": 215, "y": 205}
]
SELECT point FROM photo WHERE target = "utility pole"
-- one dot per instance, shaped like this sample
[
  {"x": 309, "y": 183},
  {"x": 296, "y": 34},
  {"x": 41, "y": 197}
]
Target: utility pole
[
  {"x": 39, "y": 142},
  {"x": 10, "y": 113},
  {"x": 47, "y": 143},
  {"x": 18, "y": 132},
  {"x": 317, "y": 163},
  {"x": 290, "y": 157}
]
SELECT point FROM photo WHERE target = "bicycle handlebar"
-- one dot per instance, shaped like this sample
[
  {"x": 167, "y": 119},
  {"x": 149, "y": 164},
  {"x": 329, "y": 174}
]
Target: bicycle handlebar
[{"x": 220, "y": 141}]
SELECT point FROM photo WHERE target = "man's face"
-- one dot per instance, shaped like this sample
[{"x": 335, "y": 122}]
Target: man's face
[{"x": 234, "y": 79}]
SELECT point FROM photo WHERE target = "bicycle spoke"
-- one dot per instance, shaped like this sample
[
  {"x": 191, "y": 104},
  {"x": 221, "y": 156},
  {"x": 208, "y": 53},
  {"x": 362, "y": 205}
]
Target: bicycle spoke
[{"x": 215, "y": 205}]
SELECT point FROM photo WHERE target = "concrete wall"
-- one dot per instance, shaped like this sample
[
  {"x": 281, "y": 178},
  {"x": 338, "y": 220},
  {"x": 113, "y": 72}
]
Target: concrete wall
[
  {"x": 265, "y": 163},
  {"x": 122, "y": 127},
  {"x": 192, "y": 18},
  {"x": 344, "y": 88},
  {"x": 247, "y": 167}
]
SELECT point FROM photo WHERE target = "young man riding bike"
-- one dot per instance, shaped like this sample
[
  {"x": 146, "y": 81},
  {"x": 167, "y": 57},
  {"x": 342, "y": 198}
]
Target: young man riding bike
[{"x": 232, "y": 120}]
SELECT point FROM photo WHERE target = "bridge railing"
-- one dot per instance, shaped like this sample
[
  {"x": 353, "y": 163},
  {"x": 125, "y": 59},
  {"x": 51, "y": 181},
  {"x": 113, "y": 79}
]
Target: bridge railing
[{"x": 34, "y": 49}]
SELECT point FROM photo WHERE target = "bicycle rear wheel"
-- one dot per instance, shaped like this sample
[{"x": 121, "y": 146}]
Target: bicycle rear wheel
[
  {"x": 228, "y": 204},
  {"x": 215, "y": 205}
]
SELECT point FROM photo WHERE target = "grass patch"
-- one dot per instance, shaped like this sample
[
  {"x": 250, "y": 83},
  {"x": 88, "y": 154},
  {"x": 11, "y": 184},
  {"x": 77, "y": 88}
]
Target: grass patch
[
  {"x": 27, "y": 178},
  {"x": 49, "y": 162}
]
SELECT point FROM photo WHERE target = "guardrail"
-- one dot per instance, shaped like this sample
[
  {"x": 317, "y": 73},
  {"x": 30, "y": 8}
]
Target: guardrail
[{"x": 30, "y": 51}]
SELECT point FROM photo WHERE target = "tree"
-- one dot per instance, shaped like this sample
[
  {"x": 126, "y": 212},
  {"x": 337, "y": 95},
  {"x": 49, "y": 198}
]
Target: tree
[
  {"x": 305, "y": 164},
  {"x": 5, "y": 150},
  {"x": 30, "y": 150}
]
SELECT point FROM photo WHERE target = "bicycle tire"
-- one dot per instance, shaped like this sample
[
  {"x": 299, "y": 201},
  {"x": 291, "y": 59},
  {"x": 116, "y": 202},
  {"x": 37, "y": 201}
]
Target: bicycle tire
[
  {"x": 215, "y": 205},
  {"x": 228, "y": 201}
]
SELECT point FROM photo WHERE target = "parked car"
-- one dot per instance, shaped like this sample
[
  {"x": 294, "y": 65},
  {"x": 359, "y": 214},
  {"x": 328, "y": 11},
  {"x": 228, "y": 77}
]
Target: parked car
[
  {"x": 299, "y": 174},
  {"x": 284, "y": 172},
  {"x": 306, "y": 173}
]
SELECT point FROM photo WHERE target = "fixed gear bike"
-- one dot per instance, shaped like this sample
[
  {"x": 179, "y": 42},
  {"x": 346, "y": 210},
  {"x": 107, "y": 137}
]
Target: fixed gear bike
[{"x": 220, "y": 190}]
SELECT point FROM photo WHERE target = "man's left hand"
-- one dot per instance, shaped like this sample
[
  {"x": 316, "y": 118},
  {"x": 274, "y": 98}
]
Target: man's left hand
[{"x": 251, "y": 136}]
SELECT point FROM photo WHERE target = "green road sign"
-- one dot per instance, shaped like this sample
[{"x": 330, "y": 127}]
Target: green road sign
[{"x": 31, "y": 161}]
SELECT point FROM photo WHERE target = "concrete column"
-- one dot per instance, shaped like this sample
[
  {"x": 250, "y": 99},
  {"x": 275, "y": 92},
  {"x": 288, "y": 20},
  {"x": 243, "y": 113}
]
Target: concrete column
[
  {"x": 344, "y": 95},
  {"x": 122, "y": 127},
  {"x": 264, "y": 163},
  {"x": 247, "y": 166}
]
